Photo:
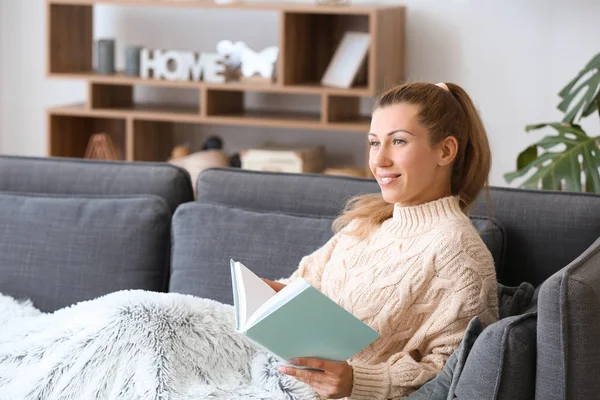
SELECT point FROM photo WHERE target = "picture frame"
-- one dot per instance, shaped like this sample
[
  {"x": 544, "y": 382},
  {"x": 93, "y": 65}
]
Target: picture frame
[{"x": 347, "y": 60}]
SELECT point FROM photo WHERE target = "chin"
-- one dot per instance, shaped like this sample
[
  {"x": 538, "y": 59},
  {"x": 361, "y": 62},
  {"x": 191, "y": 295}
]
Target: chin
[{"x": 391, "y": 198}]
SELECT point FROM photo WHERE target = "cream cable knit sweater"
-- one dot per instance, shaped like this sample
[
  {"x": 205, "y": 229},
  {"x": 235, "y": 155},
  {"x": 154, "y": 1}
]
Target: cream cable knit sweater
[{"x": 418, "y": 281}]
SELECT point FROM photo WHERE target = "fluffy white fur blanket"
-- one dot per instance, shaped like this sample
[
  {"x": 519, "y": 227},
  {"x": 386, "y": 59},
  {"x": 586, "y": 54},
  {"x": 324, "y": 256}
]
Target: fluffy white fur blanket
[{"x": 134, "y": 345}]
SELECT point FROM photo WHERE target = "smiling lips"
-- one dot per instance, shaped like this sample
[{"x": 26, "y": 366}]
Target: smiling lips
[{"x": 386, "y": 179}]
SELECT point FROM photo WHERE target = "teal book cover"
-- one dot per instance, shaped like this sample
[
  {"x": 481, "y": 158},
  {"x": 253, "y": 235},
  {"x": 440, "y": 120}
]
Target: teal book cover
[{"x": 299, "y": 321}]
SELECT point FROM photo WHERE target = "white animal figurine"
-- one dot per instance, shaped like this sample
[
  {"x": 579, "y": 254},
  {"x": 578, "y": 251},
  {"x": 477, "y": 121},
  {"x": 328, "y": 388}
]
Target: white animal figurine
[
  {"x": 252, "y": 63},
  {"x": 233, "y": 52}
]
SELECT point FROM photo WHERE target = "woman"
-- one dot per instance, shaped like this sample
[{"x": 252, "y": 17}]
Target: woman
[{"x": 408, "y": 262}]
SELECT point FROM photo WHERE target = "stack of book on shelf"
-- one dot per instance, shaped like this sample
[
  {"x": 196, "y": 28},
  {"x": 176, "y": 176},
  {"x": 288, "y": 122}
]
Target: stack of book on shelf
[{"x": 277, "y": 158}]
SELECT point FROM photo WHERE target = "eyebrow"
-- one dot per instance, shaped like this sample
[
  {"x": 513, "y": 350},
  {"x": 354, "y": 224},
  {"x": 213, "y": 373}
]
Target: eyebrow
[{"x": 392, "y": 132}]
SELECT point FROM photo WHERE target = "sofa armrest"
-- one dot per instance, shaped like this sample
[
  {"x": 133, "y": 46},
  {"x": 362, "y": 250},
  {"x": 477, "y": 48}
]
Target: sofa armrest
[{"x": 568, "y": 363}]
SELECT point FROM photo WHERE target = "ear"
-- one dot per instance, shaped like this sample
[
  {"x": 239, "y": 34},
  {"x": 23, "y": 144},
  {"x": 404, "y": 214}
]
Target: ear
[{"x": 448, "y": 150}]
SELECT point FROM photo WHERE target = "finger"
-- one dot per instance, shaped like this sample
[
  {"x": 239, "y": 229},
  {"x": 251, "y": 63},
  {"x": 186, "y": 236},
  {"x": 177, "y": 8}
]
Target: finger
[
  {"x": 310, "y": 377},
  {"x": 267, "y": 281},
  {"x": 317, "y": 363},
  {"x": 324, "y": 389},
  {"x": 318, "y": 380},
  {"x": 276, "y": 286}
]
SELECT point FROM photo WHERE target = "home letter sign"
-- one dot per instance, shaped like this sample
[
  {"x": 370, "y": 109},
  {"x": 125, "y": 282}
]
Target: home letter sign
[{"x": 182, "y": 65}]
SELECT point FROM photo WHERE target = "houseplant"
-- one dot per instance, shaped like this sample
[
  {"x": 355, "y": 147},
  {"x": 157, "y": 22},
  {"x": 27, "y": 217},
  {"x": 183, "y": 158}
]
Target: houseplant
[{"x": 570, "y": 159}]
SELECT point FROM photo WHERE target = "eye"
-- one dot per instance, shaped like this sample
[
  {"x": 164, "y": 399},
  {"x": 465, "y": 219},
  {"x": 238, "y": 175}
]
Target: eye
[
  {"x": 373, "y": 143},
  {"x": 398, "y": 141}
]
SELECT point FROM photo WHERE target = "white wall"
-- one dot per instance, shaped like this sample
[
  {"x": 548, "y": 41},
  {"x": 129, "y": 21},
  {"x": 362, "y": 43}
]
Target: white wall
[{"x": 511, "y": 56}]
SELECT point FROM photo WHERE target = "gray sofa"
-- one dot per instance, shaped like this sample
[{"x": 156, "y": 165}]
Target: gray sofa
[{"x": 72, "y": 230}]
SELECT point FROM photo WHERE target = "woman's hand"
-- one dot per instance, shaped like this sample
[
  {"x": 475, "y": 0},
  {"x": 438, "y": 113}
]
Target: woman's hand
[
  {"x": 334, "y": 383},
  {"x": 276, "y": 286}
]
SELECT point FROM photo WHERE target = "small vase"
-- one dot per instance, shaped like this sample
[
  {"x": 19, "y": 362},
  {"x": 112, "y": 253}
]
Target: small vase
[{"x": 105, "y": 56}]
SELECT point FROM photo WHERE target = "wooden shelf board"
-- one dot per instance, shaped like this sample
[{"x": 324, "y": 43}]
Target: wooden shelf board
[
  {"x": 120, "y": 79},
  {"x": 268, "y": 118},
  {"x": 266, "y": 6},
  {"x": 138, "y": 111},
  {"x": 360, "y": 125},
  {"x": 318, "y": 88},
  {"x": 276, "y": 119},
  {"x": 286, "y": 119}
]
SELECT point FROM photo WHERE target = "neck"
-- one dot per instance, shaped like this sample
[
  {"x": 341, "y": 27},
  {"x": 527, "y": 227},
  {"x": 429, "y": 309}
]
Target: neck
[{"x": 440, "y": 192}]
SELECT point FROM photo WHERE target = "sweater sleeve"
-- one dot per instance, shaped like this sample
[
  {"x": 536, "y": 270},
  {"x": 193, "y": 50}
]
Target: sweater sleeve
[
  {"x": 312, "y": 265},
  {"x": 404, "y": 372},
  {"x": 468, "y": 280}
]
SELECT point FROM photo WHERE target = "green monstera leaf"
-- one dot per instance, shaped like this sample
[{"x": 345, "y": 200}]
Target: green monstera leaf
[
  {"x": 552, "y": 167},
  {"x": 586, "y": 82}
]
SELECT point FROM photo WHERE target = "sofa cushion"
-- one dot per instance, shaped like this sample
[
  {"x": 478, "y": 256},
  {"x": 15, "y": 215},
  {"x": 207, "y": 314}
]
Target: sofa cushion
[
  {"x": 568, "y": 364},
  {"x": 493, "y": 235},
  {"x": 57, "y": 250},
  {"x": 501, "y": 364},
  {"x": 515, "y": 300},
  {"x": 206, "y": 237},
  {"x": 81, "y": 176}
]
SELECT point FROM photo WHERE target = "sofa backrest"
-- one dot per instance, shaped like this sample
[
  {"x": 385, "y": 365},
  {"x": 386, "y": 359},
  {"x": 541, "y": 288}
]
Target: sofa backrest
[
  {"x": 266, "y": 221},
  {"x": 297, "y": 194},
  {"x": 88, "y": 177},
  {"x": 544, "y": 230}
]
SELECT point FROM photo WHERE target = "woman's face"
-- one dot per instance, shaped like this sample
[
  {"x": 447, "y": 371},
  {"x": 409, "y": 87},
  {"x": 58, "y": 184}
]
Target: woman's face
[{"x": 409, "y": 170}]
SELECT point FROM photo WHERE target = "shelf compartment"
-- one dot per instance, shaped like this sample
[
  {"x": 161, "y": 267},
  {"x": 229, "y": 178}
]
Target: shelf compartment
[
  {"x": 342, "y": 108},
  {"x": 70, "y": 38},
  {"x": 110, "y": 96},
  {"x": 344, "y": 111},
  {"x": 141, "y": 99},
  {"x": 153, "y": 140},
  {"x": 309, "y": 41},
  {"x": 231, "y": 108},
  {"x": 69, "y": 135}
]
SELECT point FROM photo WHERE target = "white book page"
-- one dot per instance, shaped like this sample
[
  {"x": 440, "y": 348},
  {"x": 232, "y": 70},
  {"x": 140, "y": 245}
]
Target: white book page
[
  {"x": 253, "y": 292},
  {"x": 280, "y": 298}
]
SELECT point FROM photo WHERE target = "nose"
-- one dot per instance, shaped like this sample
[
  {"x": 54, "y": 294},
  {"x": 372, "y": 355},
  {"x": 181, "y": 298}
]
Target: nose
[{"x": 380, "y": 157}]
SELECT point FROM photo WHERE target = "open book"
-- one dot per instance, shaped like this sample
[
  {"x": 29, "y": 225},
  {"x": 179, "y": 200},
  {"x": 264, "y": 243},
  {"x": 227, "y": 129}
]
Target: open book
[{"x": 297, "y": 321}]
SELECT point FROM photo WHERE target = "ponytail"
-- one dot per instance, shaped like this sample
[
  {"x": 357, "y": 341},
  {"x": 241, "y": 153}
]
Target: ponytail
[{"x": 471, "y": 175}]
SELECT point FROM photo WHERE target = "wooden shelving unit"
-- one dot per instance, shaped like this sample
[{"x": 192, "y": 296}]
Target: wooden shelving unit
[{"x": 308, "y": 37}]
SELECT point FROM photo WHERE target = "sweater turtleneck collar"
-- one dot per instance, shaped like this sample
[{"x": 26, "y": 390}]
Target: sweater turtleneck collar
[{"x": 414, "y": 220}]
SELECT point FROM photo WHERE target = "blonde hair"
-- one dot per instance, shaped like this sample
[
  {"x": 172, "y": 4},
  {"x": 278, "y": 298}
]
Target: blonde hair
[{"x": 443, "y": 113}]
